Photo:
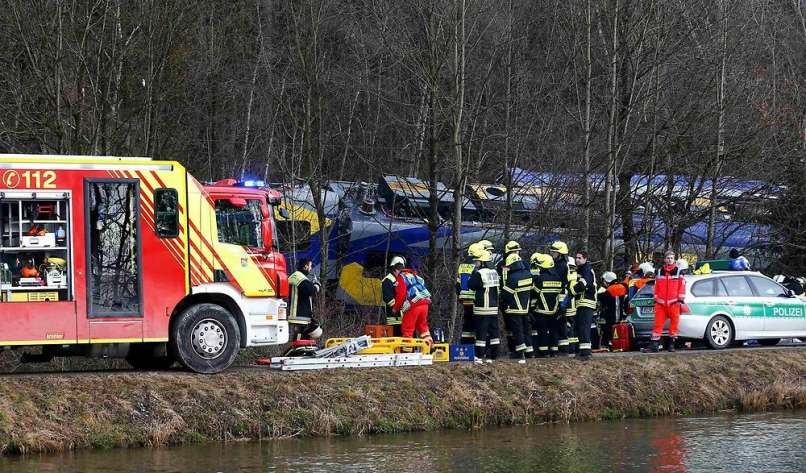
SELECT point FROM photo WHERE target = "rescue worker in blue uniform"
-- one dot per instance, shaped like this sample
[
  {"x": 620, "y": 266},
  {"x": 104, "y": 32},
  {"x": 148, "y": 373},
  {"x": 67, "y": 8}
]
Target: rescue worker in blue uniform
[
  {"x": 516, "y": 297},
  {"x": 586, "y": 304},
  {"x": 465, "y": 294},
  {"x": 485, "y": 284},
  {"x": 547, "y": 284},
  {"x": 559, "y": 253}
]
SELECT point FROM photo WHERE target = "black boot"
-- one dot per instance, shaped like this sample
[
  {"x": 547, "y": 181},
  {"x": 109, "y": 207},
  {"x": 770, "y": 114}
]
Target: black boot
[{"x": 672, "y": 341}]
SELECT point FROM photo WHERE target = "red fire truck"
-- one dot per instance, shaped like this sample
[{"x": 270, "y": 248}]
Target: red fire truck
[{"x": 134, "y": 258}]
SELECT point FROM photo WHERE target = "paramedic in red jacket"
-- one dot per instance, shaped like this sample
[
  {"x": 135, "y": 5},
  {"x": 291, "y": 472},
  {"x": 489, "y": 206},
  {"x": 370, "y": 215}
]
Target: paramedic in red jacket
[
  {"x": 412, "y": 300},
  {"x": 670, "y": 293}
]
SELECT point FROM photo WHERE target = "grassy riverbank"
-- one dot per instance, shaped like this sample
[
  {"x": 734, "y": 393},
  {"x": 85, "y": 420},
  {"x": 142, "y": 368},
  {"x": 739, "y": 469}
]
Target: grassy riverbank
[{"x": 54, "y": 412}]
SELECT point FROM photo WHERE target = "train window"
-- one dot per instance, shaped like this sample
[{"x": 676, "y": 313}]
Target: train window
[
  {"x": 294, "y": 235},
  {"x": 166, "y": 213}
]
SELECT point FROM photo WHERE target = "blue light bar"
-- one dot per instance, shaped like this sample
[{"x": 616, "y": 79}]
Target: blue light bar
[{"x": 253, "y": 183}]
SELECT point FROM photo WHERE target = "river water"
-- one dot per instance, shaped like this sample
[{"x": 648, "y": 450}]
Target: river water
[{"x": 731, "y": 443}]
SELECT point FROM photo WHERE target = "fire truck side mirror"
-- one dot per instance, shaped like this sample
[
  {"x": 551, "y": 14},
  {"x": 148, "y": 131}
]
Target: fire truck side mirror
[{"x": 237, "y": 202}]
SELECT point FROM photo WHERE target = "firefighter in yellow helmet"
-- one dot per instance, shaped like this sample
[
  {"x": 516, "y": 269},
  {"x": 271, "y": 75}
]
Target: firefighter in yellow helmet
[
  {"x": 547, "y": 284},
  {"x": 388, "y": 290},
  {"x": 485, "y": 285},
  {"x": 559, "y": 253},
  {"x": 465, "y": 294},
  {"x": 515, "y": 302},
  {"x": 512, "y": 247}
]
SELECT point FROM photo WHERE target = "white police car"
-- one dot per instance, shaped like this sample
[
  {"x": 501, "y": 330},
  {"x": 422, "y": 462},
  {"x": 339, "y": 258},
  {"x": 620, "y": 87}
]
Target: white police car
[{"x": 729, "y": 306}]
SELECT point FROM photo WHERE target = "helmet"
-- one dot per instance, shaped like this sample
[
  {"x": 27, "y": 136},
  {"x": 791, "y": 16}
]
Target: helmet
[
  {"x": 646, "y": 268},
  {"x": 487, "y": 245},
  {"x": 542, "y": 260},
  {"x": 559, "y": 247},
  {"x": 473, "y": 249},
  {"x": 609, "y": 276},
  {"x": 572, "y": 263},
  {"x": 512, "y": 258},
  {"x": 484, "y": 256},
  {"x": 512, "y": 246},
  {"x": 397, "y": 260},
  {"x": 682, "y": 264}
]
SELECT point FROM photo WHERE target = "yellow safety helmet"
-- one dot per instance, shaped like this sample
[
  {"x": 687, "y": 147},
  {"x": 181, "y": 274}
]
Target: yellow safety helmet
[
  {"x": 559, "y": 247},
  {"x": 472, "y": 249},
  {"x": 512, "y": 246},
  {"x": 487, "y": 245},
  {"x": 484, "y": 256},
  {"x": 512, "y": 258},
  {"x": 542, "y": 260}
]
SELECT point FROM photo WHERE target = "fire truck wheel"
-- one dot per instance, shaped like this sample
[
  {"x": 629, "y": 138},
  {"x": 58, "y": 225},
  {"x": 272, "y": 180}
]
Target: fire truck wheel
[{"x": 206, "y": 338}]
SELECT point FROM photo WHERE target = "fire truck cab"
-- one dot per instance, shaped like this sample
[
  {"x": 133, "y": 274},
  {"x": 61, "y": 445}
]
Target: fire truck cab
[{"x": 134, "y": 258}]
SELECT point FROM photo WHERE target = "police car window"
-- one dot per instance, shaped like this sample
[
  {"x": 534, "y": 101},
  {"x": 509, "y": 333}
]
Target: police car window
[
  {"x": 239, "y": 225},
  {"x": 737, "y": 286},
  {"x": 767, "y": 288},
  {"x": 703, "y": 288}
]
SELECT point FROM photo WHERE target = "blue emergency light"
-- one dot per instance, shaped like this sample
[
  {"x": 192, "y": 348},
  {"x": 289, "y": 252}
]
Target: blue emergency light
[{"x": 253, "y": 183}]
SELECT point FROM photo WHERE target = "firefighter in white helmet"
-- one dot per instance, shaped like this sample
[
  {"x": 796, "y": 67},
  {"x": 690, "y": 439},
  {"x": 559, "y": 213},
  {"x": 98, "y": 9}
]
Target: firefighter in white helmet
[{"x": 388, "y": 289}]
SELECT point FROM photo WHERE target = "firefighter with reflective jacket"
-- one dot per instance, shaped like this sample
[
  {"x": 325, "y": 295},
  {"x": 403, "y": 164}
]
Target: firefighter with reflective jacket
[
  {"x": 670, "y": 294},
  {"x": 559, "y": 253},
  {"x": 547, "y": 284},
  {"x": 485, "y": 284},
  {"x": 512, "y": 247},
  {"x": 515, "y": 298},
  {"x": 586, "y": 303},
  {"x": 302, "y": 291},
  {"x": 388, "y": 289},
  {"x": 464, "y": 272},
  {"x": 412, "y": 300},
  {"x": 571, "y": 303}
]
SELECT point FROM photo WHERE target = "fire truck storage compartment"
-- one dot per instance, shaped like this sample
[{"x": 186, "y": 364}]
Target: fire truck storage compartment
[{"x": 35, "y": 257}]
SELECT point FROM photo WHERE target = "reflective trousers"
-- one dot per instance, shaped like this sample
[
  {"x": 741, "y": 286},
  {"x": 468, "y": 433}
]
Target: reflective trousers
[
  {"x": 468, "y": 325},
  {"x": 582, "y": 327},
  {"x": 416, "y": 318},
  {"x": 663, "y": 312},
  {"x": 518, "y": 326},
  {"x": 487, "y": 336},
  {"x": 544, "y": 338},
  {"x": 559, "y": 328}
]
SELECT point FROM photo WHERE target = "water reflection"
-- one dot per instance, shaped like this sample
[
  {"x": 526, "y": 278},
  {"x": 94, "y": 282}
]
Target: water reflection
[{"x": 746, "y": 443}]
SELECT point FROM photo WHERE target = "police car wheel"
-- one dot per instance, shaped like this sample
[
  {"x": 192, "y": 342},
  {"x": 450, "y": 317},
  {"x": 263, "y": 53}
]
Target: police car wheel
[
  {"x": 719, "y": 333},
  {"x": 206, "y": 338}
]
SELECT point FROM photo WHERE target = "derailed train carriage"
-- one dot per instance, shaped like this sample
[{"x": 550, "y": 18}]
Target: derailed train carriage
[{"x": 369, "y": 223}]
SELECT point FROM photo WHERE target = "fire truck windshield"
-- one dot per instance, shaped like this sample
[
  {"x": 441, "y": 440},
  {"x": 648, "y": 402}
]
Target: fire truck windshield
[{"x": 239, "y": 226}]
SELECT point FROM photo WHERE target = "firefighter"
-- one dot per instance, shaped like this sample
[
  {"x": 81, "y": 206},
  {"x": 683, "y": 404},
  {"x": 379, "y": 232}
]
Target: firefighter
[
  {"x": 670, "y": 293},
  {"x": 517, "y": 292},
  {"x": 559, "y": 253},
  {"x": 484, "y": 283},
  {"x": 570, "y": 303},
  {"x": 302, "y": 289},
  {"x": 465, "y": 294},
  {"x": 412, "y": 300},
  {"x": 388, "y": 287},
  {"x": 512, "y": 247},
  {"x": 546, "y": 287},
  {"x": 586, "y": 304}
]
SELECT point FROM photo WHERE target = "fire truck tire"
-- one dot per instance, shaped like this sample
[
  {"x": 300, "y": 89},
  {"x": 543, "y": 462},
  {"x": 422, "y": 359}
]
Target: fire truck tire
[{"x": 205, "y": 338}]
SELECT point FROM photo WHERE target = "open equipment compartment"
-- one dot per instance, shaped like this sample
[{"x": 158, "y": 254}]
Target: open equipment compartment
[{"x": 35, "y": 246}]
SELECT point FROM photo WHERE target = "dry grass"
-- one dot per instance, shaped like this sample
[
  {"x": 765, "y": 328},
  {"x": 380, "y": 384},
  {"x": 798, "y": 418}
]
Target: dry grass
[{"x": 104, "y": 410}]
